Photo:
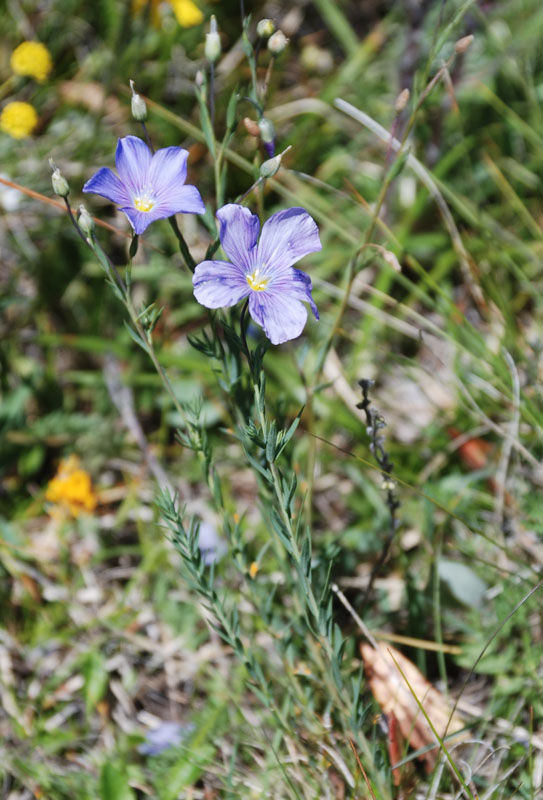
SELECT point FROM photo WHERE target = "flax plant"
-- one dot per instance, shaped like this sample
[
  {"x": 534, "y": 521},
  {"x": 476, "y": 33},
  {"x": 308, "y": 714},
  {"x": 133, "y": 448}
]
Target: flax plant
[{"x": 150, "y": 186}]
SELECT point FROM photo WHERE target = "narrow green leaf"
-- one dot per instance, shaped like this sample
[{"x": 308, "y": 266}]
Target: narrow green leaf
[{"x": 114, "y": 785}]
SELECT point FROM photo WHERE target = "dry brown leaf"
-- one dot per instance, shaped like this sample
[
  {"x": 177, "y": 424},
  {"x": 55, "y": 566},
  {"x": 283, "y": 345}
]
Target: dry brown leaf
[{"x": 384, "y": 666}]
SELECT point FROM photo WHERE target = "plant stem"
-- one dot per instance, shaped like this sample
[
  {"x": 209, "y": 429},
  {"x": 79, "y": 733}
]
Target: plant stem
[
  {"x": 183, "y": 246},
  {"x": 243, "y": 333}
]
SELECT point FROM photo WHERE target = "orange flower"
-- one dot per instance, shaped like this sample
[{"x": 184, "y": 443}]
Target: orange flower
[{"x": 71, "y": 488}]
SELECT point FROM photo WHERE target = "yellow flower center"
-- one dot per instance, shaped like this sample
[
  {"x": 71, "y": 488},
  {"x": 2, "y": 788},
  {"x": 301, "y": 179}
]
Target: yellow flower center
[
  {"x": 144, "y": 203},
  {"x": 256, "y": 282}
]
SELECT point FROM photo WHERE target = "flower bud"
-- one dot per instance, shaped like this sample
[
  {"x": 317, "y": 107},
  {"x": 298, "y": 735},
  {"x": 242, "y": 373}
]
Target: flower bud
[
  {"x": 401, "y": 101},
  {"x": 246, "y": 45},
  {"x": 265, "y": 28},
  {"x": 277, "y": 43},
  {"x": 85, "y": 221},
  {"x": 270, "y": 167},
  {"x": 139, "y": 109},
  {"x": 266, "y": 130},
  {"x": 213, "y": 42},
  {"x": 462, "y": 44},
  {"x": 60, "y": 184},
  {"x": 251, "y": 126},
  {"x": 267, "y": 135}
]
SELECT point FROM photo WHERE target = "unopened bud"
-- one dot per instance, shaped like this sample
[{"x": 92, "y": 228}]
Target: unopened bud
[
  {"x": 462, "y": 44},
  {"x": 266, "y": 130},
  {"x": 59, "y": 182},
  {"x": 139, "y": 109},
  {"x": 270, "y": 167},
  {"x": 246, "y": 44},
  {"x": 85, "y": 221},
  {"x": 277, "y": 43},
  {"x": 267, "y": 135},
  {"x": 251, "y": 126},
  {"x": 265, "y": 28},
  {"x": 401, "y": 101},
  {"x": 391, "y": 259},
  {"x": 213, "y": 41}
]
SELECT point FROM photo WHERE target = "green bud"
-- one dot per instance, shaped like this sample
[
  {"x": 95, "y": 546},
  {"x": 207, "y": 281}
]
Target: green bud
[
  {"x": 139, "y": 109},
  {"x": 246, "y": 44},
  {"x": 213, "y": 41},
  {"x": 85, "y": 221},
  {"x": 60, "y": 184},
  {"x": 270, "y": 167},
  {"x": 265, "y": 28},
  {"x": 277, "y": 43}
]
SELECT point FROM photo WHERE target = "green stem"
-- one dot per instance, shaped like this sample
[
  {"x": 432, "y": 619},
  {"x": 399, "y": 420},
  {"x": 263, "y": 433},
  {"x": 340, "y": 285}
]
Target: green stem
[
  {"x": 183, "y": 246},
  {"x": 309, "y": 600}
]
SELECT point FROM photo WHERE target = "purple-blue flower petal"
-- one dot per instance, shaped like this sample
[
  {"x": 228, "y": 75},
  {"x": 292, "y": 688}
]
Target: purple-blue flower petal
[
  {"x": 218, "y": 284},
  {"x": 282, "y": 316},
  {"x": 168, "y": 166},
  {"x": 142, "y": 219},
  {"x": 107, "y": 184},
  {"x": 133, "y": 159},
  {"x": 167, "y": 734},
  {"x": 297, "y": 284},
  {"x": 238, "y": 232},
  {"x": 179, "y": 199},
  {"x": 286, "y": 237}
]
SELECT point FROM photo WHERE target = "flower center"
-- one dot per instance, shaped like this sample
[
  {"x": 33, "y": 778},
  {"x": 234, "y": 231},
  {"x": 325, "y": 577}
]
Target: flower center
[
  {"x": 144, "y": 202},
  {"x": 256, "y": 281}
]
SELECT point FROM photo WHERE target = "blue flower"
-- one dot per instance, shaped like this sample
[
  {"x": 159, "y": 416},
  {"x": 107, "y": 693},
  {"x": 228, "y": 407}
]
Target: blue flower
[
  {"x": 212, "y": 547},
  {"x": 167, "y": 734},
  {"x": 150, "y": 186},
  {"x": 262, "y": 271}
]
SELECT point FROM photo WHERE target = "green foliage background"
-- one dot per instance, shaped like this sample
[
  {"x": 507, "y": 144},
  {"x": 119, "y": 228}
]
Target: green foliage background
[{"x": 98, "y": 627}]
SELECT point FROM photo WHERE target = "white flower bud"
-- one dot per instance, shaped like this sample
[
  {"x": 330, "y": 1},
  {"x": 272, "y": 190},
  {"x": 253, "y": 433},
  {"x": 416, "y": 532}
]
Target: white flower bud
[
  {"x": 265, "y": 28},
  {"x": 85, "y": 221},
  {"x": 213, "y": 42},
  {"x": 139, "y": 109},
  {"x": 60, "y": 184},
  {"x": 267, "y": 131},
  {"x": 277, "y": 43}
]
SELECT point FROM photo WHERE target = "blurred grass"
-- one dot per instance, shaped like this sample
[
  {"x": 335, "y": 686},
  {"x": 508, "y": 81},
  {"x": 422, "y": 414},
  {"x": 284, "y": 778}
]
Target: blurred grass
[{"x": 99, "y": 637}]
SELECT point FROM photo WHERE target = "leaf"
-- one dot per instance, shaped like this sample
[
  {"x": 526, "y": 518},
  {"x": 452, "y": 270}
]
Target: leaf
[
  {"x": 114, "y": 785},
  {"x": 466, "y": 586},
  {"x": 96, "y": 678},
  {"x": 391, "y": 691},
  {"x": 186, "y": 771}
]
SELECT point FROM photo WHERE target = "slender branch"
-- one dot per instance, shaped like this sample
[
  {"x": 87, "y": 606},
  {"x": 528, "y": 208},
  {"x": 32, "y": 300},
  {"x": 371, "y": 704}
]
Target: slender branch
[
  {"x": 243, "y": 323},
  {"x": 183, "y": 246},
  {"x": 212, "y": 94},
  {"x": 376, "y": 423},
  {"x": 147, "y": 137}
]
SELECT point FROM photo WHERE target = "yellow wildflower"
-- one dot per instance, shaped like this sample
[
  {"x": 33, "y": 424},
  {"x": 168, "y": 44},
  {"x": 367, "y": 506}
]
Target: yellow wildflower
[
  {"x": 71, "y": 488},
  {"x": 18, "y": 119},
  {"x": 32, "y": 59},
  {"x": 253, "y": 569},
  {"x": 186, "y": 12}
]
